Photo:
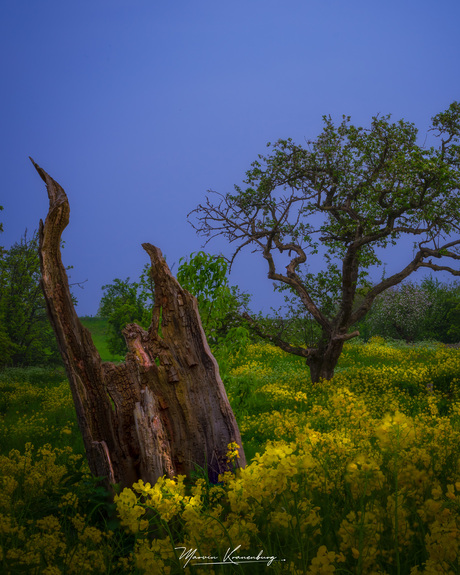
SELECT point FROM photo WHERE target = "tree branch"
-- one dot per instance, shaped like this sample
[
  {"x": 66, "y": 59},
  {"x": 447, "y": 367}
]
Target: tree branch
[{"x": 285, "y": 346}]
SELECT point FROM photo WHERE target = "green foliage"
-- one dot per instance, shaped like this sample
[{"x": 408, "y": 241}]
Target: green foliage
[
  {"x": 358, "y": 449},
  {"x": 98, "y": 326},
  {"x": 292, "y": 322},
  {"x": 203, "y": 275},
  {"x": 349, "y": 159},
  {"x": 442, "y": 317},
  {"x": 126, "y": 302},
  {"x": 219, "y": 304},
  {"x": 416, "y": 312},
  {"x": 26, "y": 336},
  {"x": 336, "y": 471},
  {"x": 48, "y": 494},
  {"x": 336, "y": 204},
  {"x": 297, "y": 328},
  {"x": 7, "y": 347}
]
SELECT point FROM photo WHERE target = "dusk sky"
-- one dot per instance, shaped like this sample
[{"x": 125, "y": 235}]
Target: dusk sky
[{"x": 138, "y": 107}]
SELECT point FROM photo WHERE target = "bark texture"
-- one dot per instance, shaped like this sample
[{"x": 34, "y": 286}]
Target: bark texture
[
  {"x": 323, "y": 360},
  {"x": 163, "y": 411}
]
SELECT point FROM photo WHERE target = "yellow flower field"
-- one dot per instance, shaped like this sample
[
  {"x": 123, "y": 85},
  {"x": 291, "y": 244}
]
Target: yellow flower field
[{"x": 359, "y": 475}]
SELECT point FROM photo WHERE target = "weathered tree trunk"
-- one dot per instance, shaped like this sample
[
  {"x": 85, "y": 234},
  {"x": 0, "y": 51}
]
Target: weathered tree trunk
[
  {"x": 323, "y": 360},
  {"x": 162, "y": 412}
]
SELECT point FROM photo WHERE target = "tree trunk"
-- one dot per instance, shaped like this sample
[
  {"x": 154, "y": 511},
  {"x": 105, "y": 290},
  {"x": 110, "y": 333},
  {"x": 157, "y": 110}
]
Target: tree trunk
[
  {"x": 164, "y": 411},
  {"x": 323, "y": 360}
]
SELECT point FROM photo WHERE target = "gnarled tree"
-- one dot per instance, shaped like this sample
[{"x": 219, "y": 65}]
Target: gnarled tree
[
  {"x": 163, "y": 411},
  {"x": 344, "y": 197}
]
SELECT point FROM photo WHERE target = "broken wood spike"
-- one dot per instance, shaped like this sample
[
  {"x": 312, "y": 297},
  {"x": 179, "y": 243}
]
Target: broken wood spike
[{"x": 164, "y": 411}]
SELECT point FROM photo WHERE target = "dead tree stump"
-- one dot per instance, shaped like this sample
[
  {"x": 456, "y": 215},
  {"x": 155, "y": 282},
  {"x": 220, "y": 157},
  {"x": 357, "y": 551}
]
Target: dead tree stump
[{"x": 164, "y": 411}]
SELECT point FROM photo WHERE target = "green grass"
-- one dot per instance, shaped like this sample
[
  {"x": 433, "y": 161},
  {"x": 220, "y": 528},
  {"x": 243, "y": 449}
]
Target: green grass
[
  {"x": 349, "y": 457},
  {"x": 36, "y": 407},
  {"x": 98, "y": 328}
]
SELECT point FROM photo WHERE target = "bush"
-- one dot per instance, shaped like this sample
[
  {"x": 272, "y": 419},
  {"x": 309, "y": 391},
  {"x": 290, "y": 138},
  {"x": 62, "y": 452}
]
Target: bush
[
  {"x": 26, "y": 335},
  {"x": 416, "y": 312}
]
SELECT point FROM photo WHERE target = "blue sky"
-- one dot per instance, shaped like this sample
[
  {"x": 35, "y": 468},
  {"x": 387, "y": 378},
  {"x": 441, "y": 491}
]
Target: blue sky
[{"x": 138, "y": 107}]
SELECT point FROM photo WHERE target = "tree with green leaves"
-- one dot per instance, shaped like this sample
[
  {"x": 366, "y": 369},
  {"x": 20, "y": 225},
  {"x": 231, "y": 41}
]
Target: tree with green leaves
[
  {"x": 443, "y": 314},
  {"x": 26, "y": 336},
  {"x": 401, "y": 312},
  {"x": 205, "y": 276},
  {"x": 343, "y": 199},
  {"x": 126, "y": 302},
  {"x": 414, "y": 312},
  {"x": 6, "y": 345}
]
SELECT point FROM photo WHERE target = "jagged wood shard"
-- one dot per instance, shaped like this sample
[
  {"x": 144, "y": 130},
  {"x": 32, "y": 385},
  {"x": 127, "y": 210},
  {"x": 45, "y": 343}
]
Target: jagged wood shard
[{"x": 163, "y": 411}]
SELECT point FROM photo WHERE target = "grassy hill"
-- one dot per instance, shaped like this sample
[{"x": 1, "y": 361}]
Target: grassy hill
[{"x": 98, "y": 327}]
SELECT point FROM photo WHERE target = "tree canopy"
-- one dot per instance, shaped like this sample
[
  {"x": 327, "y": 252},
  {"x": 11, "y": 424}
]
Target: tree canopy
[
  {"x": 205, "y": 277},
  {"x": 124, "y": 302},
  {"x": 344, "y": 196},
  {"x": 26, "y": 336}
]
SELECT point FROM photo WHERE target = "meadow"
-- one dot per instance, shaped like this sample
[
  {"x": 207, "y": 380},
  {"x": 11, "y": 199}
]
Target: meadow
[{"x": 358, "y": 475}]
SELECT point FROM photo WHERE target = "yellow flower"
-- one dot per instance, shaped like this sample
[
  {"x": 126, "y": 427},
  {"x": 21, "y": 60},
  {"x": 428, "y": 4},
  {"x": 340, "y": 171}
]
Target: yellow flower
[
  {"x": 322, "y": 564},
  {"x": 232, "y": 453}
]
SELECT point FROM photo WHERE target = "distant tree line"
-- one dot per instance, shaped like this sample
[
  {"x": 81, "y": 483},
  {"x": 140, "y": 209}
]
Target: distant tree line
[
  {"x": 425, "y": 311},
  {"x": 204, "y": 275},
  {"x": 411, "y": 312},
  {"x": 26, "y": 336},
  {"x": 125, "y": 302}
]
